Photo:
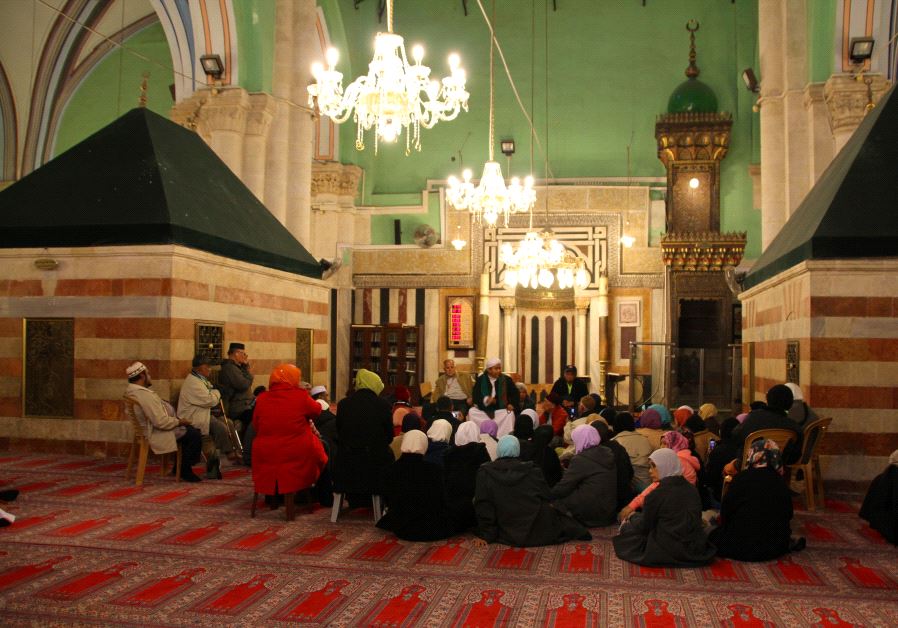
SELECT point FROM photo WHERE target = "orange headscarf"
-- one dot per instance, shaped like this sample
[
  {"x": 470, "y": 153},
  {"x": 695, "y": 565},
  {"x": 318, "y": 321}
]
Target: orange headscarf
[
  {"x": 285, "y": 374},
  {"x": 682, "y": 414}
]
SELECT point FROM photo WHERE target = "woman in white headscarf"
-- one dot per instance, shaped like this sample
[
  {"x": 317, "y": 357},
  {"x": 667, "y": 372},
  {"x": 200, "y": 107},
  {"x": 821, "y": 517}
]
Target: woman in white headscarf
[
  {"x": 439, "y": 433},
  {"x": 668, "y": 531},
  {"x": 414, "y": 495},
  {"x": 460, "y": 465}
]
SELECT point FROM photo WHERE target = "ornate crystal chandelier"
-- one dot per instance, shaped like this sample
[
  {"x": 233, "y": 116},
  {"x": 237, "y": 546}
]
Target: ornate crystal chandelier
[
  {"x": 393, "y": 96},
  {"x": 491, "y": 198},
  {"x": 541, "y": 260}
]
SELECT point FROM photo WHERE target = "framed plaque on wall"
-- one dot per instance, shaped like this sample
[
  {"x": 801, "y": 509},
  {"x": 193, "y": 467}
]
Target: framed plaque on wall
[{"x": 460, "y": 322}]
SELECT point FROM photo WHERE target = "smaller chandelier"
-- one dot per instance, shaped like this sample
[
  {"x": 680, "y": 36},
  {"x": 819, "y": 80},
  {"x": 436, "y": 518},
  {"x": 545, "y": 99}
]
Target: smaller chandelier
[
  {"x": 542, "y": 261},
  {"x": 491, "y": 198},
  {"x": 393, "y": 96}
]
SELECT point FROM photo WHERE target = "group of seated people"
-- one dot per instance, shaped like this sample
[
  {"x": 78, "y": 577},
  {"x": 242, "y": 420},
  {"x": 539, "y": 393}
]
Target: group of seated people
[{"x": 549, "y": 477}]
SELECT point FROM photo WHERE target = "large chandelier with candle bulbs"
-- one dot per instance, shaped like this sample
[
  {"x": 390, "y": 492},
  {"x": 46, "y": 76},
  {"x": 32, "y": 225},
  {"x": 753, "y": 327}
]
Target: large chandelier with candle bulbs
[
  {"x": 491, "y": 198},
  {"x": 542, "y": 261},
  {"x": 394, "y": 96}
]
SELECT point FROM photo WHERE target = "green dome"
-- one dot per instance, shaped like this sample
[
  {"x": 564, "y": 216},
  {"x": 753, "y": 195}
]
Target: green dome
[{"x": 692, "y": 96}]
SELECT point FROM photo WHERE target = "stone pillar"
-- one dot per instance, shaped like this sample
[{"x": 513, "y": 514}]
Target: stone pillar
[
  {"x": 773, "y": 166},
  {"x": 580, "y": 353},
  {"x": 600, "y": 309},
  {"x": 847, "y": 100},
  {"x": 258, "y": 123},
  {"x": 795, "y": 76},
  {"x": 509, "y": 355},
  {"x": 302, "y": 126},
  {"x": 483, "y": 319},
  {"x": 820, "y": 138}
]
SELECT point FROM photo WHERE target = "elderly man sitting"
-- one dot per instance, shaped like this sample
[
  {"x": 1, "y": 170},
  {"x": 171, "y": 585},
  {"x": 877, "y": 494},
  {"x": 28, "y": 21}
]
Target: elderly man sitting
[
  {"x": 162, "y": 429},
  {"x": 195, "y": 404}
]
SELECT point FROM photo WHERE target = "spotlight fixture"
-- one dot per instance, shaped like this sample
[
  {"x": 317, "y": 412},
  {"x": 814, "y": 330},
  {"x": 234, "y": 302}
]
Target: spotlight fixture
[
  {"x": 860, "y": 49},
  {"x": 694, "y": 183},
  {"x": 750, "y": 80},
  {"x": 507, "y": 147},
  {"x": 212, "y": 65}
]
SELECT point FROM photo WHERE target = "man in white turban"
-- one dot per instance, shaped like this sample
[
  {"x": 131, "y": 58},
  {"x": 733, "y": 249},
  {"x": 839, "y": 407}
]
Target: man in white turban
[{"x": 494, "y": 390}]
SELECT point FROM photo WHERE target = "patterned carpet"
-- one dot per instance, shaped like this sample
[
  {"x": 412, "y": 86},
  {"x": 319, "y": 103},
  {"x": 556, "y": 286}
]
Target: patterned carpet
[{"x": 89, "y": 549}]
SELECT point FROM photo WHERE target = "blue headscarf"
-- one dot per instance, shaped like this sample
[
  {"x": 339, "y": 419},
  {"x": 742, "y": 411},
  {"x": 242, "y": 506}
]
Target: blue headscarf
[{"x": 508, "y": 447}]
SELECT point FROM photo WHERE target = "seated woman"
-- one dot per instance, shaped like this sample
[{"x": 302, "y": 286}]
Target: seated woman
[
  {"x": 512, "y": 503},
  {"x": 555, "y": 415},
  {"x": 410, "y": 421},
  {"x": 543, "y": 456},
  {"x": 440, "y": 433},
  {"x": 460, "y": 465},
  {"x": 725, "y": 451},
  {"x": 650, "y": 427},
  {"x": 707, "y": 412},
  {"x": 588, "y": 489},
  {"x": 523, "y": 431},
  {"x": 624, "y": 467},
  {"x": 701, "y": 436},
  {"x": 637, "y": 446},
  {"x": 757, "y": 509},
  {"x": 401, "y": 407},
  {"x": 680, "y": 446},
  {"x": 663, "y": 413},
  {"x": 415, "y": 499},
  {"x": 287, "y": 454},
  {"x": 488, "y": 431},
  {"x": 668, "y": 531},
  {"x": 880, "y": 506}
]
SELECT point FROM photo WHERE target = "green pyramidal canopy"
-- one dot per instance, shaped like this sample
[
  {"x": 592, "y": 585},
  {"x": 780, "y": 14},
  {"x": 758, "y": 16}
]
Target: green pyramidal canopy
[
  {"x": 146, "y": 180},
  {"x": 850, "y": 211}
]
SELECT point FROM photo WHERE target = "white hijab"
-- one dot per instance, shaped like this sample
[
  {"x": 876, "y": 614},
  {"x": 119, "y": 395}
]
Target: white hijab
[
  {"x": 440, "y": 431},
  {"x": 532, "y": 414},
  {"x": 667, "y": 462},
  {"x": 468, "y": 432},
  {"x": 414, "y": 442}
]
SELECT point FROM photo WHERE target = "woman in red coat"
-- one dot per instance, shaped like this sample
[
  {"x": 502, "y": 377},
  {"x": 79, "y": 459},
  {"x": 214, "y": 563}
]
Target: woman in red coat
[{"x": 287, "y": 454}]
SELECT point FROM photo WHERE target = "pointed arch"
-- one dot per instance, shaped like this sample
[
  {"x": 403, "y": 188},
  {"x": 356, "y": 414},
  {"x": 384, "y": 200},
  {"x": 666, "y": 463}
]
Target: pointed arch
[{"x": 8, "y": 130}]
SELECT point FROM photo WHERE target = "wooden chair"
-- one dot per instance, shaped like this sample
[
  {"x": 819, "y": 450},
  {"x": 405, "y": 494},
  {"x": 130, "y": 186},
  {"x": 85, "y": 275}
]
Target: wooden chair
[
  {"x": 781, "y": 437},
  {"x": 809, "y": 462},
  {"x": 289, "y": 503},
  {"x": 140, "y": 449}
]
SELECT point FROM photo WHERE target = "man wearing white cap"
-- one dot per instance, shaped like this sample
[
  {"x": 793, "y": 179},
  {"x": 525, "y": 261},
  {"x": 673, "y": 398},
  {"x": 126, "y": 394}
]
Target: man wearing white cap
[
  {"x": 494, "y": 390},
  {"x": 162, "y": 429},
  {"x": 319, "y": 392}
]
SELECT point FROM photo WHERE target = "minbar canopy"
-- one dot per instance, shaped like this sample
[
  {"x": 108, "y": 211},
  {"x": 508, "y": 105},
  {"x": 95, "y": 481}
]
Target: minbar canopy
[
  {"x": 852, "y": 210},
  {"x": 146, "y": 180}
]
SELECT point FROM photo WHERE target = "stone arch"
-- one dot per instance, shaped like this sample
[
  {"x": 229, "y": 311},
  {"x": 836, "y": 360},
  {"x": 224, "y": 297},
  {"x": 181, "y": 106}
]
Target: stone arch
[{"x": 9, "y": 135}]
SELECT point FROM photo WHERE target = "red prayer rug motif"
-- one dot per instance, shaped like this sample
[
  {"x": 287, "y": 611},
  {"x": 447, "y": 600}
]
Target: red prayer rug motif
[
  {"x": 651, "y": 573},
  {"x": 121, "y": 493},
  {"x": 168, "y": 497},
  {"x": 401, "y": 610},
  {"x": 80, "y": 528},
  {"x": 582, "y": 558},
  {"x": 742, "y": 615},
  {"x": 314, "y": 606},
  {"x": 787, "y": 571},
  {"x": 571, "y": 610},
  {"x": 485, "y": 609},
  {"x": 236, "y": 598},
  {"x": 450, "y": 553},
  {"x": 33, "y": 521},
  {"x": 195, "y": 536},
  {"x": 84, "y": 584},
  {"x": 517, "y": 558},
  {"x": 156, "y": 591},
  {"x": 138, "y": 531},
  {"x": 76, "y": 489},
  {"x": 871, "y": 535},
  {"x": 817, "y": 532},
  {"x": 861, "y": 575},
  {"x": 382, "y": 551},
  {"x": 217, "y": 500},
  {"x": 17, "y": 576},
  {"x": 658, "y": 613},
  {"x": 255, "y": 540},
  {"x": 826, "y": 616},
  {"x": 725, "y": 570},
  {"x": 320, "y": 545}
]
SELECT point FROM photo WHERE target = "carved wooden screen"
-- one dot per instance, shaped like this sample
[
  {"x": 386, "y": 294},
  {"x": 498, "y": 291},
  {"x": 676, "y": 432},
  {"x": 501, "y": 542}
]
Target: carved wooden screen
[
  {"x": 49, "y": 377},
  {"x": 304, "y": 352}
]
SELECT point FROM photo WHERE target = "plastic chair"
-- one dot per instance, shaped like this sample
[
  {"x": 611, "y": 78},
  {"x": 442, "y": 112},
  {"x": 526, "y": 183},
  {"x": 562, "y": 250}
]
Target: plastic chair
[
  {"x": 781, "y": 437},
  {"x": 338, "y": 505},
  {"x": 140, "y": 448},
  {"x": 809, "y": 463}
]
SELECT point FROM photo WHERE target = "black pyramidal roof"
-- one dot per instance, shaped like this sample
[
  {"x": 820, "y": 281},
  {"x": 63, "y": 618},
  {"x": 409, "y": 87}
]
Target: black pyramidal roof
[
  {"x": 852, "y": 210},
  {"x": 146, "y": 180}
]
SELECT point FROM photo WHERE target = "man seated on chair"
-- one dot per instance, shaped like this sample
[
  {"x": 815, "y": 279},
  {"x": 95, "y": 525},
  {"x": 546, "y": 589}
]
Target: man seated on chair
[
  {"x": 195, "y": 404},
  {"x": 773, "y": 416},
  {"x": 457, "y": 386},
  {"x": 163, "y": 431}
]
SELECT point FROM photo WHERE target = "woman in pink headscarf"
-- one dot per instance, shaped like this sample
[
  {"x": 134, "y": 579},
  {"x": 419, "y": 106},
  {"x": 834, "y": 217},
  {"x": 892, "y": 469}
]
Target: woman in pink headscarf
[
  {"x": 588, "y": 490},
  {"x": 680, "y": 445}
]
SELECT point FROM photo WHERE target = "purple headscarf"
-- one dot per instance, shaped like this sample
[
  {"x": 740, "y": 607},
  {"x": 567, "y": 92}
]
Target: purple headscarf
[
  {"x": 584, "y": 437},
  {"x": 489, "y": 427},
  {"x": 650, "y": 419},
  {"x": 674, "y": 441}
]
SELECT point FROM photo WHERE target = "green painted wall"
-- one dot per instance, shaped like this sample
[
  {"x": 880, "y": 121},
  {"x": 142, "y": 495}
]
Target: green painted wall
[
  {"x": 382, "y": 225},
  {"x": 255, "y": 43},
  {"x": 113, "y": 87},
  {"x": 821, "y": 31},
  {"x": 612, "y": 67}
]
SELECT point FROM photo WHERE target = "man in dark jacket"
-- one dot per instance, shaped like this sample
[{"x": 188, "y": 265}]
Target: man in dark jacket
[
  {"x": 235, "y": 381},
  {"x": 493, "y": 390},
  {"x": 364, "y": 434},
  {"x": 512, "y": 503},
  {"x": 570, "y": 388},
  {"x": 774, "y": 416},
  {"x": 445, "y": 412},
  {"x": 622, "y": 463}
]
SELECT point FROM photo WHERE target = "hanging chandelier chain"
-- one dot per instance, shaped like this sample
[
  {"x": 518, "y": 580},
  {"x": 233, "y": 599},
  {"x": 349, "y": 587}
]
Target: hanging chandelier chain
[
  {"x": 492, "y": 138},
  {"x": 389, "y": 16}
]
